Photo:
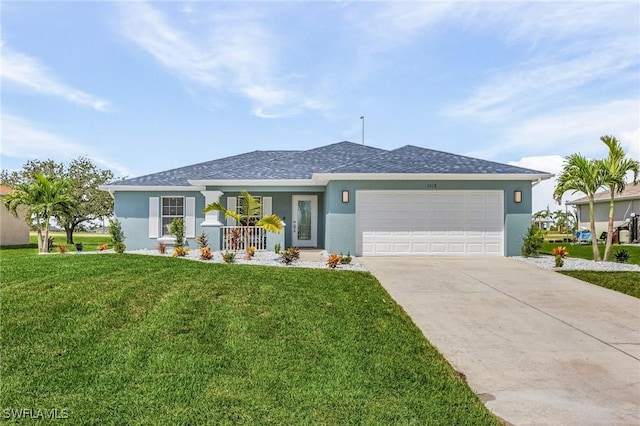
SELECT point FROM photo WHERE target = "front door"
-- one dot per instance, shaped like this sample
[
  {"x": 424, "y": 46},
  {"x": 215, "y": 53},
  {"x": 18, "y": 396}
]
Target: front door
[{"x": 305, "y": 221}]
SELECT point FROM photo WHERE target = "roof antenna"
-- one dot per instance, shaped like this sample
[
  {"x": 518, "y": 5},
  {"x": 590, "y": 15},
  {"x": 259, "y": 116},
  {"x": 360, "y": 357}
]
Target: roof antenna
[{"x": 362, "y": 118}]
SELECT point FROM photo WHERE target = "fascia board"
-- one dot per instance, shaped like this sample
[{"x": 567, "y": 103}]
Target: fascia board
[
  {"x": 257, "y": 182},
  {"x": 323, "y": 178},
  {"x": 132, "y": 188}
]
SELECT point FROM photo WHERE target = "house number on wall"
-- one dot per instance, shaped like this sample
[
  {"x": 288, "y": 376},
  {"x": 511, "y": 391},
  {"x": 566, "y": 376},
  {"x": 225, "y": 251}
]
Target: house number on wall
[{"x": 431, "y": 186}]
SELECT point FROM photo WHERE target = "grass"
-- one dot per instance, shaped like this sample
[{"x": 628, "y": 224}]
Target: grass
[
  {"x": 130, "y": 339},
  {"x": 623, "y": 282},
  {"x": 585, "y": 251}
]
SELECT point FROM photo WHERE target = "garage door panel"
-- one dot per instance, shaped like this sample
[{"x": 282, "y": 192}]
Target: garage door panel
[{"x": 429, "y": 222}]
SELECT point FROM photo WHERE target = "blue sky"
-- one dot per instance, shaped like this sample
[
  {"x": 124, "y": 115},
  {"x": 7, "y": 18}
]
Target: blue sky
[{"x": 141, "y": 87}]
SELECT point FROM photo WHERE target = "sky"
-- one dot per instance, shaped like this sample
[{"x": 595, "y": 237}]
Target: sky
[{"x": 141, "y": 87}]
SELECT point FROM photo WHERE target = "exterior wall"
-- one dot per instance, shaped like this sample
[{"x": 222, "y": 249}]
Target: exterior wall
[
  {"x": 340, "y": 220},
  {"x": 622, "y": 210},
  {"x": 14, "y": 231},
  {"x": 282, "y": 206},
  {"x": 336, "y": 220},
  {"x": 132, "y": 209}
]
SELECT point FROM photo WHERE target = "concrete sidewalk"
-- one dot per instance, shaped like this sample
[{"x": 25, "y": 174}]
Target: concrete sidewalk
[{"x": 537, "y": 346}]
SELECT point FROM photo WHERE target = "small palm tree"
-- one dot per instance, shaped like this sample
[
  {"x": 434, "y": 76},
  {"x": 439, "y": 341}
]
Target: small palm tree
[
  {"x": 581, "y": 175},
  {"x": 248, "y": 211},
  {"x": 615, "y": 167},
  {"x": 44, "y": 197}
]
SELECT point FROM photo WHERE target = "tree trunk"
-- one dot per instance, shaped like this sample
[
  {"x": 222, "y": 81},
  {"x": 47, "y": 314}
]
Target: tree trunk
[
  {"x": 607, "y": 248},
  {"x": 41, "y": 243},
  {"x": 594, "y": 237},
  {"x": 69, "y": 231}
]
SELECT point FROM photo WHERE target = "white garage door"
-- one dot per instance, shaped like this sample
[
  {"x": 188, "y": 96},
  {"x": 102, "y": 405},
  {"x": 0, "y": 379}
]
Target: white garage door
[{"x": 391, "y": 223}]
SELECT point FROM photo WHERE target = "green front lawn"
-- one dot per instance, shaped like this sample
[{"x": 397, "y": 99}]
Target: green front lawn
[
  {"x": 624, "y": 282},
  {"x": 585, "y": 251},
  {"x": 130, "y": 339}
]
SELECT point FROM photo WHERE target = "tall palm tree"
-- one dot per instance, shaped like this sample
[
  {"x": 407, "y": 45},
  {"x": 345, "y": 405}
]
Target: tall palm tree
[
  {"x": 616, "y": 167},
  {"x": 44, "y": 197},
  {"x": 248, "y": 211},
  {"x": 581, "y": 175}
]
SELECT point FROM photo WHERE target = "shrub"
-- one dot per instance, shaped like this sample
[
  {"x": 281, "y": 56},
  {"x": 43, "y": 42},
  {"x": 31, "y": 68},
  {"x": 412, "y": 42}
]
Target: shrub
[
  {"x": 202, "y": 240},
  {"x": 276, "y": 248},
  {"x": 560, "y": 251},
  {"x": 115, "y": 230},
  {"x": 622, "y": 256},
  {"x": 119, "y": 247},
  {"x": 205, "y": 253},
  {"x": 162, "y": 248},
  {"x": 62, "y": 248},
  {"x": 289, "y": 255},
  {"x": 179, "y": 251},
  {"x": 345, "y": 260},
  {"x": 251, "y": 251},
  {"x": 176, "y": 228},
  {"x": 103, "y": 247},
  {"x": 559, "y": 261},
  {"x": 229, "y": 257},
  {"x": 79, "y": 246},
  {"x": 532, "y": 242},
  {"x": 333, "y": 260}
]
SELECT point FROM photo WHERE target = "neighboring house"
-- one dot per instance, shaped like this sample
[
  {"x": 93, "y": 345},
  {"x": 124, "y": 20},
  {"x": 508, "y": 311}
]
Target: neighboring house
[
  {"x": 14, "y": 231},
  {"x": 343, "y": 197},
  {"x": 625, "y": 203}
]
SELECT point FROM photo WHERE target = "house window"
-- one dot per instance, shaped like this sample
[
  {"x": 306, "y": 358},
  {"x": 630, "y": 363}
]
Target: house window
[
  {"x": 254, "y": 218},
  {"x": 172, "y": 208}
]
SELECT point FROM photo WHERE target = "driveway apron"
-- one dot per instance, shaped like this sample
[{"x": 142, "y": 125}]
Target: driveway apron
[{"x": 537, "y": 347}]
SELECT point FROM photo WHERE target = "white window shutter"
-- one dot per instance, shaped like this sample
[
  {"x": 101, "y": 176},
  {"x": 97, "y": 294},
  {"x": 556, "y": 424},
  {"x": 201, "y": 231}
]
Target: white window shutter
[
  {"x": 266, "y": 206},
  {"x": 154, "y": 216},
  {"x": 231, "y": 205},
  {"x": 190, "y": 220}
]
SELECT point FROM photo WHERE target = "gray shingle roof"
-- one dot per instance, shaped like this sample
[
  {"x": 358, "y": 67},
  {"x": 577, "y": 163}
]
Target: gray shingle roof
[
  {"x": 413, "y": 159},
  {"x": 341, "y": 157}
]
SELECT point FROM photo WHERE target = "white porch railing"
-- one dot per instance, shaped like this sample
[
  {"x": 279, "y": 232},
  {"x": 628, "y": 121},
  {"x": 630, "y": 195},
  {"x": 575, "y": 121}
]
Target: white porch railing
[{"x": 233, "y": 237}]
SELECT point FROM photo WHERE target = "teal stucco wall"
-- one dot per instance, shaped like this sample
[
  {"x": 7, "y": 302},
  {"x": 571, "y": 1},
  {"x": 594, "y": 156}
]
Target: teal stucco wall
[
  {"x": 340, "y": 217},
  {"x": 336, "y": 220}
]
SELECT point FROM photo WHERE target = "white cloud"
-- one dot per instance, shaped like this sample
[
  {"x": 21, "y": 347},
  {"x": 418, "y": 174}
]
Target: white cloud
[
  {"x": 28, "y": 72},
  {"x": 23, "y": 139},
  {"x": 567, "y": 48},
  {"x": 576, "y": 130},
  {"x": 542, "y": 193},
  {"x": 235, "y": 53}
]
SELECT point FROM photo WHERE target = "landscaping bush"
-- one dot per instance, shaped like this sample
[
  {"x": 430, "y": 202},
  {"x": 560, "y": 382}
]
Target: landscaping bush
[
  {"x": 276, "y": 248},
  {"x": 622, "y": 256},
  {"x": 333, "y": 260},
  {"x": 202, "y": 240},
  {"x": 179, "y": 251},
  {"x": 290, "y": 255},
  {"x": 205, "y": 253},
  {"x": 79, "y": 246},
  {"x": 62, "y": 248},
  {"x": 115, "y": 230},
  {"x": 119, "y": 247},
  {"x": 532, "y": 242},
  {"x": 229, "y": 257},
  {"x": 103, "y": 247},
  {"x": 345, "y": 260},
  {"x": 176, "y": 228}
]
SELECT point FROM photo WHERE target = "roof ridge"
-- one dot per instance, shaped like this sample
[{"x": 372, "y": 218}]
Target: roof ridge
[{"x": 384, "y": 151}]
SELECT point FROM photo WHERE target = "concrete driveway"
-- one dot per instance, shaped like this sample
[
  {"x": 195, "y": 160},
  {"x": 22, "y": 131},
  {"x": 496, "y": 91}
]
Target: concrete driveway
[{"x": 538, "y": 347}]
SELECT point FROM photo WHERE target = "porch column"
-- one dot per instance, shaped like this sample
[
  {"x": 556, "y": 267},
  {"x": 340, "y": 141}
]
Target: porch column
[{"x": 211, "y": 219}]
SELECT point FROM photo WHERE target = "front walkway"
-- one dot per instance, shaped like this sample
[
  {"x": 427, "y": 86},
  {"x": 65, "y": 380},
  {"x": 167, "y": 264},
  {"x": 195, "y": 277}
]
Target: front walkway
[{"x": 537, "y": 346}]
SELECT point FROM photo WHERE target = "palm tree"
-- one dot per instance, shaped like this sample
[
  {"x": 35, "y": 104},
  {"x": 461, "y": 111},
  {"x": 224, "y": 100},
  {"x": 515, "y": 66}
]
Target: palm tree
[
  {"x": 248, "y": 211},
  {"x": 581, "y": 175},
  {"x": 615, "y": 167},
  {"x": 44, "y": 197}
]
